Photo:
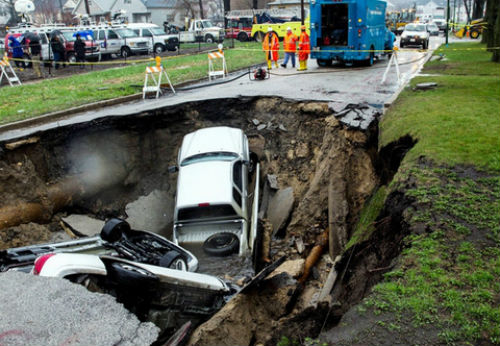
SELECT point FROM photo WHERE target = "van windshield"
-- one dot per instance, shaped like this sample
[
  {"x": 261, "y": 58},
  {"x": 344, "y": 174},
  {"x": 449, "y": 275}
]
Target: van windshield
[
  {"x": 415, "y": 27},
  {"x": 158, "y": 31},
  {"x": 126, "y": 33},
  {"x": 215, "y": 156}
]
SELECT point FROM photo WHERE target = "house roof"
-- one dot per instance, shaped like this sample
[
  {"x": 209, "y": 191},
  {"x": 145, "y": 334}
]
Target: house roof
[{"x": 160, "y": 3}]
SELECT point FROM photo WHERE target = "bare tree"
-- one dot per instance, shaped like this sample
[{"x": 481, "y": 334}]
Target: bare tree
[
  {"x": 200, "y": 3},
  {"x": 9, "y": 4}
]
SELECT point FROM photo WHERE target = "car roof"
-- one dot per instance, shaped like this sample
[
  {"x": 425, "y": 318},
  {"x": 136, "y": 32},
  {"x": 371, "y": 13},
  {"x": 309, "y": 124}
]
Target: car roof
[{"x": 212, "y": 139}]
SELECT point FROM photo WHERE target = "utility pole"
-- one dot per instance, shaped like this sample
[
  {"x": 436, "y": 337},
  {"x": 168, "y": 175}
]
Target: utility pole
[
  {"x": 87, "y": 8},
  {"x": 454, "y": 14},
  {"x": 302, "y": 11},
  {"x": 447, "y": 20}
]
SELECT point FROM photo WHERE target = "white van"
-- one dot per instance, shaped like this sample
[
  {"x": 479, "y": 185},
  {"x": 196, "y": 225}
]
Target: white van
[
  {"x": 121, "y": 40},
  {"x": 159, "y": 39}
]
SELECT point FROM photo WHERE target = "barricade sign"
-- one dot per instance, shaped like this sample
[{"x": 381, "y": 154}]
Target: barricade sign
[
  {"x": 392, "y": 61},
  {"x": 155, "y": 73},
  {"x": 5, "y": 69},
  {"x": 212, "y": 62}
]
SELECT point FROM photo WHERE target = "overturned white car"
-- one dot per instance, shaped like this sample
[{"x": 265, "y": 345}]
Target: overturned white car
[{"x": 212, "y": 202}]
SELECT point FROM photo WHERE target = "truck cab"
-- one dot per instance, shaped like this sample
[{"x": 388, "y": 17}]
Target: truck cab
[
  {"x": 347, "y": 30},
  {"x": 212, "y": 204},
  {"x": 201, "y": 30},
  {"x": 160, "y": 40}
]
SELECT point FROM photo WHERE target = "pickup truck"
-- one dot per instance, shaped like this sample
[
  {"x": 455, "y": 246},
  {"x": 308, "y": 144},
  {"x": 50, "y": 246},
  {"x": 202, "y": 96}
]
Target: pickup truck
[
  {"x": 212, "y": 202},
  {"x": 201, "y": 30}
]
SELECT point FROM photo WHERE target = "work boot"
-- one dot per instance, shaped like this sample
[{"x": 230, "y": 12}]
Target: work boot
[
  {"x": 276, "y": 64},
  {"x": 269, "y": 64},
  {"x": 305, "y": 65}
]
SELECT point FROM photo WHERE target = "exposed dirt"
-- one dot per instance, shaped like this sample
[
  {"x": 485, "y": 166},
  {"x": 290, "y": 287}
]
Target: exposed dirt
[{"x": 118, "y": 159}]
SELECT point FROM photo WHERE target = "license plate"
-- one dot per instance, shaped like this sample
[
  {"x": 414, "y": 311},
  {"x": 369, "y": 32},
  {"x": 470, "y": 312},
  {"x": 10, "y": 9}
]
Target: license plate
[{"x": 412, "y": 40}]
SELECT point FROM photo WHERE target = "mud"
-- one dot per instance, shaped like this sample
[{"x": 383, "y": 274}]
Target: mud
[{"x": 302, "y": 144}]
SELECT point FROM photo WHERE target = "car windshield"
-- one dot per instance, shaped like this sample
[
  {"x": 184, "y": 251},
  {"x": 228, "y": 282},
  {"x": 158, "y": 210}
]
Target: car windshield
[
  {"x": 432, "y": 26},
  {"x": 126, "y": 33},
  {"x": 69, "y": 36},
  {"x": 206, "y": 23},
  {"x": 415, "y": 27},
  {"x": 217, "y": 156},
  {"x": 158, "y": 31}
]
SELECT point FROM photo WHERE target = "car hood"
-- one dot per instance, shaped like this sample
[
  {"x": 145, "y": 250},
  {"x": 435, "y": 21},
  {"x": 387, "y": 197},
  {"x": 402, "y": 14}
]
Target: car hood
[
  {"x": 204, "y": 182},
  {"x": 414, "y": 33}
]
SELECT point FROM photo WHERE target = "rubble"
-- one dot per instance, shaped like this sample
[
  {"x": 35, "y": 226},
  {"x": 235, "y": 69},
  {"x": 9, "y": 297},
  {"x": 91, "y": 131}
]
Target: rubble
[
  {"x": 42, "y": 311},
  {"x": 355, "y": 115},
  {"x": 279, "y": 209},
  {"x": 84, "y": 225},
  {"x": 150, "y": 213}
]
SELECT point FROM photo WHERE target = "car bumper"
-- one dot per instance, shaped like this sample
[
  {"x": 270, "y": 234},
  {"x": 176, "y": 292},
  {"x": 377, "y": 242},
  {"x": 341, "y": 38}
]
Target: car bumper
[{"x": 413, "y": 41}]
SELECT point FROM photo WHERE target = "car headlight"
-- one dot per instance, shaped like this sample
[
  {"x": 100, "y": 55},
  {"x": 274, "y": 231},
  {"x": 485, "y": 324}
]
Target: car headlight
[{"x": 132, "y": 44}]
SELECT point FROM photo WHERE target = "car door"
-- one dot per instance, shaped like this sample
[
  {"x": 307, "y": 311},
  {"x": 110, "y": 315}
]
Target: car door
[
  {"x": 114, "y": 41},
  {"x": 100, "y": 38}
]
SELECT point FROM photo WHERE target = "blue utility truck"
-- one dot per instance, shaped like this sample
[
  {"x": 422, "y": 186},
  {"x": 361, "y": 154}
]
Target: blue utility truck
[{"x": 348, "y": 30}]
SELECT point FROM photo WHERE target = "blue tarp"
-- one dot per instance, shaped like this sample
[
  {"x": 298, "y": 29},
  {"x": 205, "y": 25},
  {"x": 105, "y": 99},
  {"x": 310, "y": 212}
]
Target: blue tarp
[{"x": 86, "y": 35}]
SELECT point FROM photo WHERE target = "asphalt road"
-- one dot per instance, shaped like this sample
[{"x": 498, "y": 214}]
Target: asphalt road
[{"x": 337, "y": 83}]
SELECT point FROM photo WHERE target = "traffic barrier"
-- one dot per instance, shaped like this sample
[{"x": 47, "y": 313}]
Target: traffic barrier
[
  {"x": 212, "y": 61},
  {"x": 392, "y": 61},
  {"x": 155, "y": 73},
  {"x": 6, "y": 68}
]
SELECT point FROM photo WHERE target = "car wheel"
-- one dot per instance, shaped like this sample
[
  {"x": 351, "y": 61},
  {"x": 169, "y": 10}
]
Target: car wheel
[
  {"x": 159, "y": 48},
  {"x": 259, "y": 36},
  {"x": 114, "y": 229},
  {"x": 474, "y": 34},
  {"x": 173, "y": 260},
  {"x": 129, "y": 275},
  {"x": 324, "y": 62},
  {"x": 209, "y": 39},
  {"x": 242, "y": 37},
  {"x": 71, "y": 58},
  {"x": 221, "y": 244},
  {"x": 126, "y": 52}
]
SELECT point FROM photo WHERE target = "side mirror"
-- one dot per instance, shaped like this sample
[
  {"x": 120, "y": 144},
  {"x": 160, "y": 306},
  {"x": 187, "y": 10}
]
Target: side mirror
[{"x": 173, "y": 169}]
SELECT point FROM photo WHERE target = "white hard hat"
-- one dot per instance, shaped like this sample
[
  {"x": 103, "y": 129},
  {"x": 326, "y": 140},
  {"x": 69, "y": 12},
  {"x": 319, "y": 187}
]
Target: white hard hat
[
  {"x": 288, "y": 29},
  {"x": 269, "y": 29}
]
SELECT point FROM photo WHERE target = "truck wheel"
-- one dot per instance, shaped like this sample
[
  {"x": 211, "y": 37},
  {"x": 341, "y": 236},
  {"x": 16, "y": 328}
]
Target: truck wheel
[
  {"x": 259, "y": 36},
  {"x": 474, "y": 34},
  {"x": 324, "y": 62},
  {"x": 159, "y": 48},
  {"x": 221, "y": 244},
  {"x": 114, "y": 229},
  {"x": 242, "y": 37},
  {"x": 126, "y": 52},
  {"x": 209, "y": 39}
]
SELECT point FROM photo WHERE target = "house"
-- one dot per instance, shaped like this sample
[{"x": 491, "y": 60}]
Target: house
[
  {"x": 164, "y": 11},
  {"x": 133, "y": 11}
]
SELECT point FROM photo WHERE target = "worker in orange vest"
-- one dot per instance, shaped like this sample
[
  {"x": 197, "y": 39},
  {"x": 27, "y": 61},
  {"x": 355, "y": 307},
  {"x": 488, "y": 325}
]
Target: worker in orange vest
[
  {"x": 271, "y": 46},
  {"x": 290, "y": 46},
  {"x": 304, "y": 48}
]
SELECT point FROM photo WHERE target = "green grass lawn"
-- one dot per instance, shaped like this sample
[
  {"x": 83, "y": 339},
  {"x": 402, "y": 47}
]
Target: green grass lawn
[
  {"x": 51, "y": 95},
  {"x": 459, "y": 121},
  {"x": 447, "y": 279}
]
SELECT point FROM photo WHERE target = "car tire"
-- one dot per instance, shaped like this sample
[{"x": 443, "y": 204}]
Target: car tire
[
  {"x": 173, "y": 260},
  {"x": 242, "y": 37},
  {"x": 125, "y": 52},
  {"x": 221, "y": 244},
  {"x": 209, "y": 39},
  {"x": 128, "y": 275},
  {"x": 474, "y": 34},
  {"x": 71, "y": 58},
  {"x": 324, "y": 62},
  {"x": 114, "y": 229},
  {"x": 159, "y": 48},
  {"x": 259, "y": 36}
]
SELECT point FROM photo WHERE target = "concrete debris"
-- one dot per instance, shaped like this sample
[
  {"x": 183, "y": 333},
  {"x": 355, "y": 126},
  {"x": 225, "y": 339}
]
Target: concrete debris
[
  {"x": 357, "y": 115},
  {"x": 51, "y": 311},
  {"x": 17, "y": 144},
  {"x": 282, "y": 128},
  {"x": 152, "y": 212},
  {"x": 273, "y": 181},
  {"x": 337, "y": 106},
  {"x": 425, "y": 86},
  {"x": 279, "y": 209},
  {"x": 83, "y": 225},
  {"x": 255, "y": 122},
  {"x": 261, "y": 127},
  {"x": 299, "y": 244}
]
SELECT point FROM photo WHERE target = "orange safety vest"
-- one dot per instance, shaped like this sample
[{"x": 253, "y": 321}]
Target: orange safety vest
[
  {"x": 289, "y": 43},
  {"x": 304, "y": 46},
  {"x": 271, "y": 48}
]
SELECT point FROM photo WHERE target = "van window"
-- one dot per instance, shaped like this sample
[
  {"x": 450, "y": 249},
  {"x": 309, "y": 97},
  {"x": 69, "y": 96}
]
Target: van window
[
  {"x": 146, "y": 33},
  {"x": 237, "y": 175},
  {"x": 102, "y": 35},
  {"x": 208, "y": 212},
  {"x": 112, "y": 35},
  {"x": 43, "y": 38},
  {"x": 137, "y": 32}
]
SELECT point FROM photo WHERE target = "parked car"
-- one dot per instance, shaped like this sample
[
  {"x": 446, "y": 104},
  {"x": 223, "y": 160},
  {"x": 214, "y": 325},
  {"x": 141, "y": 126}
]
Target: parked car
[
  {"x": 212, "y": 200},
  {"x": 92, "y": 48},
  {"x": 415, "y": 34},
  {"x": 160, "y": 40},
  {"x": 433, "y": 29},
  {"x": 120, "y": 40},
  {"x": 116, "y": 239}
]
